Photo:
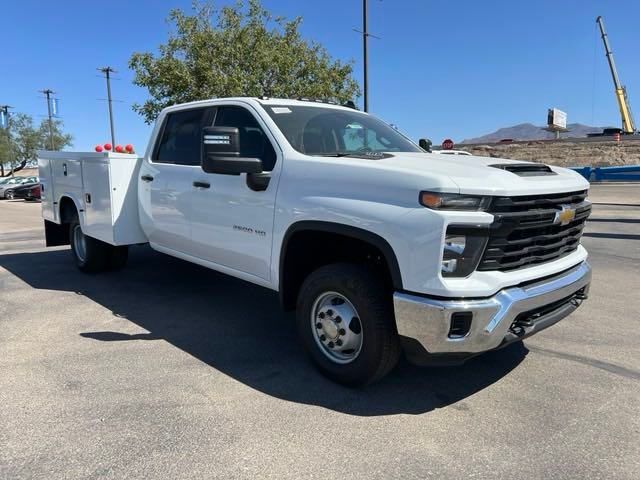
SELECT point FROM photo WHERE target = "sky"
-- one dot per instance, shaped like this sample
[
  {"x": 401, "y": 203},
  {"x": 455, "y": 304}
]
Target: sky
[{"x": 440, "y": 69}]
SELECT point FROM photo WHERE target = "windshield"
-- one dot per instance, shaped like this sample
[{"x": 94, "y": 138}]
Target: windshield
[{"x": 331, "y": 131}]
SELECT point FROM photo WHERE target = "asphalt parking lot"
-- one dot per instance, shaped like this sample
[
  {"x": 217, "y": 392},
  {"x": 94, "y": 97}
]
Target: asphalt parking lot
[{"x": 169, "y": 370}]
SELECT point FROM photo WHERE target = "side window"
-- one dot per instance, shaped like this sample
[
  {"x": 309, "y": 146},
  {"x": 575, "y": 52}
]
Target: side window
[
  {"x": 180, "y": 142},
  {"x": 253, "y": 141}
]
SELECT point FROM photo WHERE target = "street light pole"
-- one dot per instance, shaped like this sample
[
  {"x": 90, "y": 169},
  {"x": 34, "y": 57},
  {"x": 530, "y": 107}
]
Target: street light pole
[
  {"x": 365, "y": 51},
  {"x": 365, "y": 35},
  {"x": 107, "y": 71},
  {"x": 48, "y": 92}
]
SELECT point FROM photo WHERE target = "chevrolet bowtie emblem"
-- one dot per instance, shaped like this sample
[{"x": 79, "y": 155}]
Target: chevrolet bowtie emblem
[{"x": 565, "y": 215}]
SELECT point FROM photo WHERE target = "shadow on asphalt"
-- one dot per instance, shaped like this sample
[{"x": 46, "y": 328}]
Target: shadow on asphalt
[
  {"x": 617, "y": 204},
  {"x": 614, "y": 220},
  {"x": 615, "y": 236},
  {"x": 239, "y": 329}
]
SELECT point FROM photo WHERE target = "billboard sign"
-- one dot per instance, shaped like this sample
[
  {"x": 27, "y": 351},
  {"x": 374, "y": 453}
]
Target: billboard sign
[{"x": 556, "y": 119}]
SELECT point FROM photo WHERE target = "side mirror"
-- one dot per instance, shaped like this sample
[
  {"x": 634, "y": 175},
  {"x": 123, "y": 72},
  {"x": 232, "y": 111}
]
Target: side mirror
[
  {"x": 221, "y": 152},
  {"x": 425, "y": 144}
]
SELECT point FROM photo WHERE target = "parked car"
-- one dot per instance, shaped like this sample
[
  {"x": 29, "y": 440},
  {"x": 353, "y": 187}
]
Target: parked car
[
  {"x": 377, "y": 244},
  {"x": 9, "y": 185},
  {"x": 29, "y": 192}
]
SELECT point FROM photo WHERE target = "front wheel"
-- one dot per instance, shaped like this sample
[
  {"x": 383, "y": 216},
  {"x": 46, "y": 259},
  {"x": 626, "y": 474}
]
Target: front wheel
[
  {"x": 345, "y": 320},
  {"x": 9, "y": 194}
]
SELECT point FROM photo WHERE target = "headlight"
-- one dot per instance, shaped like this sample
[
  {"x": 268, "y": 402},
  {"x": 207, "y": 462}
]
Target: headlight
[
  {"x": 453, "y": 201},
  {"x": 463, "y": 247}
]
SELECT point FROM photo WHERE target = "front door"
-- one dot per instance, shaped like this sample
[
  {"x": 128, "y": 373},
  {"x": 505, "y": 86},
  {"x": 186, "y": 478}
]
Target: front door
[
  {"x": 166, "y": 187},
  {"x": 232, "y": 224}
]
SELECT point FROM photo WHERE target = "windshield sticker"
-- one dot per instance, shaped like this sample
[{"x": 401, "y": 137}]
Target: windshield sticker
[{"x": 280, "y": 110}]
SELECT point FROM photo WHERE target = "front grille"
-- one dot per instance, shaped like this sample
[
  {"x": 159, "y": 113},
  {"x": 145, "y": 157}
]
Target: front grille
[{"x": 524, "y": 233}]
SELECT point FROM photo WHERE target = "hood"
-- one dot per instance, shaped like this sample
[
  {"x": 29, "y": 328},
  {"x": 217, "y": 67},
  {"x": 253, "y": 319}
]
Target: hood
[{"x": 487, "y": 175}]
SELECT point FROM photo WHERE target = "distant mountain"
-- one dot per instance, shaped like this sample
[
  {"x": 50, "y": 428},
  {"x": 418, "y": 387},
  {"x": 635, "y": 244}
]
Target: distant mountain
[{"x": 528, "y": 131}]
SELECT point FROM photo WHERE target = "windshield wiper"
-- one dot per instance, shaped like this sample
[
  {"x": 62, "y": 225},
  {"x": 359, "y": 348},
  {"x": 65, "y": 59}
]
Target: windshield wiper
[{"x": 335, "y": 154}]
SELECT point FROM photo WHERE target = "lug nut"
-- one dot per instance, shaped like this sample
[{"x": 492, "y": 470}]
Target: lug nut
[
  {"x": 330, "y": 345},
  {"x": 342, "y": 331},
  {"x": 321, "y": 315},
  {"x": 338, "y": 319},
  {"x": 339, "y": 342},
  {"x": 318, "y": 325},
  {"x": 330, "y": 312},
  {"x": 323, "y": 338}
]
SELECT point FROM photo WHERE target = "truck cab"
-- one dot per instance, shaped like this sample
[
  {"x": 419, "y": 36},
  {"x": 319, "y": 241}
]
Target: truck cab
[{"x": 379, "y": 246}]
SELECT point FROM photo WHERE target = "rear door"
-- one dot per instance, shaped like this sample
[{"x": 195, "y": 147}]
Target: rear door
[{"x": 166, "y": 186}]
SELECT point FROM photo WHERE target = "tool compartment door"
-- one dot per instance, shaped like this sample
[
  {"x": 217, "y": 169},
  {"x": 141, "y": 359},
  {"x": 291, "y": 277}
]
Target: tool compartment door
[{"x": 97, "y": 199}]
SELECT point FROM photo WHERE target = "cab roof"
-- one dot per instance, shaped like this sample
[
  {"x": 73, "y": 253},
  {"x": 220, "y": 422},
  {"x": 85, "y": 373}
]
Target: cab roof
[{"x": 307, "y": 102}]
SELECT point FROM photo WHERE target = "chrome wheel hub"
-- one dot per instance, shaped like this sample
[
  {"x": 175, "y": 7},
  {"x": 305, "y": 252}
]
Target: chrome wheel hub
[{"x": 336, "y": 327}]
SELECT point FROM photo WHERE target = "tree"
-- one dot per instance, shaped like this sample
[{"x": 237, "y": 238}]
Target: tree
[
  {"x": 18, "y": 144},
  {"x": 244, "y": 52}
]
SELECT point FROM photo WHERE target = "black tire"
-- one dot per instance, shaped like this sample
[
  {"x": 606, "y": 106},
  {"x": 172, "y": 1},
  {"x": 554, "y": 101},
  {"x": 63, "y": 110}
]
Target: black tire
[
  {"x": 95, "y": 256},
  {"x": 380, "y": 348},
  {"x": 118, "y": 258}
]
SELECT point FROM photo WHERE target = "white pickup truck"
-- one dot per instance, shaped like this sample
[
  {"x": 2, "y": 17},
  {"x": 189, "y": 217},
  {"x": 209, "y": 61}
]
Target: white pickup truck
[{"x": 379, "y": 246}]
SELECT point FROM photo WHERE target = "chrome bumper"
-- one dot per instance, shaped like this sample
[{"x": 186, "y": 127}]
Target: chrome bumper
[{"x": 428, "y": 321}]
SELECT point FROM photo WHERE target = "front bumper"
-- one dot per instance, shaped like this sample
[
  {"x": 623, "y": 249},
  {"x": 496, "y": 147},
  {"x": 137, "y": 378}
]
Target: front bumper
[{"x": 512, "y": 314}]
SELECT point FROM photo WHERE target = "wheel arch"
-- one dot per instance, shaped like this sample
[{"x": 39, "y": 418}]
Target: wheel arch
[
  {"x": 290, "y": 277},
  {"x": 57, "y": 234},
  {"x": 67, "y": 206}
]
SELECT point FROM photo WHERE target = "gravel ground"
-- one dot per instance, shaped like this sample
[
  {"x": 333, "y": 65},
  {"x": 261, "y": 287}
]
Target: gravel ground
[{"x": 168, "y": 370}]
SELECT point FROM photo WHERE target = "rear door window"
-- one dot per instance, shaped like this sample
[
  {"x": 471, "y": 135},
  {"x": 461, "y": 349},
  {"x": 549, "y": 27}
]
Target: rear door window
[{"x": 180, "y": 141}]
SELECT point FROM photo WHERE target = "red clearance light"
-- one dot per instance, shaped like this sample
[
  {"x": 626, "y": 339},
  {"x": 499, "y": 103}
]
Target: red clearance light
[
  {"x": 107, "y": 146},
  {"x": 99, "y": 148}
]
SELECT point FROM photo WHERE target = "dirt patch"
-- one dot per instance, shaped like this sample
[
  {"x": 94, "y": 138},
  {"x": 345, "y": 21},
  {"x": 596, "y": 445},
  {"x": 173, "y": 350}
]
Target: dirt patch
[{"x": 565, "y": 154}]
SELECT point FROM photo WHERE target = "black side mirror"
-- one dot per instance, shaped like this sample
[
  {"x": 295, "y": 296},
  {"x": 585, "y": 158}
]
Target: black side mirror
[
  {"x": 221, "y": 152},
  {"x": 425, "y": 144}
]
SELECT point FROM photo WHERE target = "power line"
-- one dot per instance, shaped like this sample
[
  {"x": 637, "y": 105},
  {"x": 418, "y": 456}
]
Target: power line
[{"x": 107, "y": 74}]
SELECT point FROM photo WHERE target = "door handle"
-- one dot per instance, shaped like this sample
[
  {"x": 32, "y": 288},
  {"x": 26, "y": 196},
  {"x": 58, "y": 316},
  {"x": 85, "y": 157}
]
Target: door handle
[
  {"x": 201, "y": 184},
  {"x": 146, "y": 178}
]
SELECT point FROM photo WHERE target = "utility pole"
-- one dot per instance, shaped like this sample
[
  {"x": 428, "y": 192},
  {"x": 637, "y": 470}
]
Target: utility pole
[
  {"x": 107, "y": 71},
  {"x": 47, "y": 93}
]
